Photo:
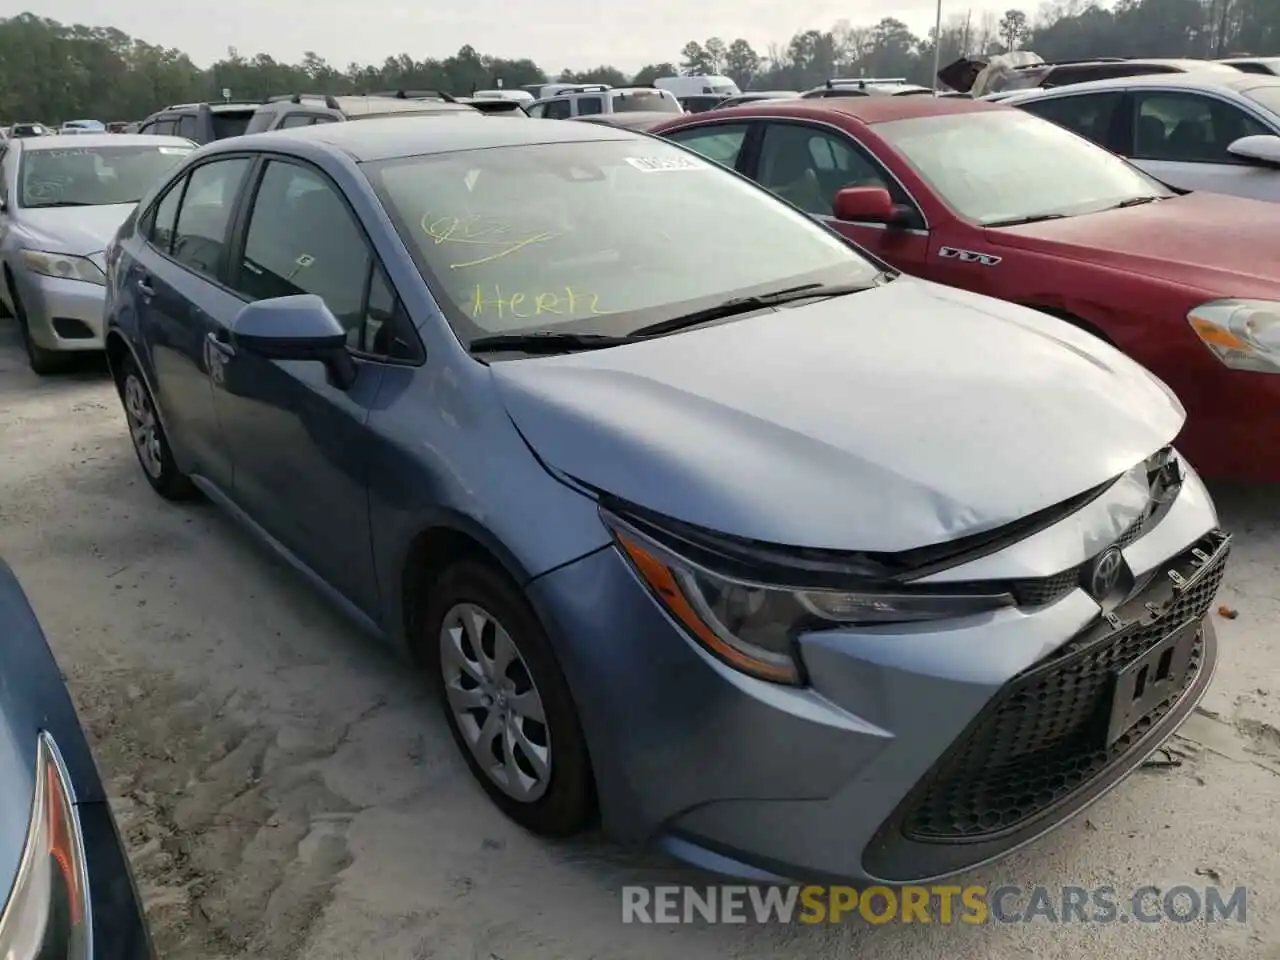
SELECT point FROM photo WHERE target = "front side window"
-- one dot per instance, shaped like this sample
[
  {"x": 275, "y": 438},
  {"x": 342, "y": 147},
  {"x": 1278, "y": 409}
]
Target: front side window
[
  {"x": 601, "y": 236},
  {"x": 93, "y": 176},
  {"x": 1005, "y": 166},
  {"x": 537, "y": 111},
  {"x": 200, "y": 237},
  {"x": 163, "y": 128},
  {"x": 1089, "y": 115},
  {"x": 230, "y": 123},
  {"x": 807, "y": 167},
  {"x": 302, "y": 238},
  {"x": 296, "y": 120},
  {"x": 187, "y": 126},
  {"x": 1188, "y": 127}
]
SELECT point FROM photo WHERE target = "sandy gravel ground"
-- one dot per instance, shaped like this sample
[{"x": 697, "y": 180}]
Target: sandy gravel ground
[{"x": 288, "y": 790}]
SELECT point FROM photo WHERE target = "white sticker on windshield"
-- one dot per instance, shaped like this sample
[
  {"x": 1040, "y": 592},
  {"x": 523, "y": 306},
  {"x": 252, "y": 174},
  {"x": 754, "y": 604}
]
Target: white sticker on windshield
[
  {"x": 664, "y": 164},
  {"x": 175, "y": 151},
  {"x": 470, "y": 180}
]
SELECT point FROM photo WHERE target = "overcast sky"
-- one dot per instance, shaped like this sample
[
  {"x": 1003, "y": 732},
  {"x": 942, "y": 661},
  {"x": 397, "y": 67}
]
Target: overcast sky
[{"x": 556, "y": 33}]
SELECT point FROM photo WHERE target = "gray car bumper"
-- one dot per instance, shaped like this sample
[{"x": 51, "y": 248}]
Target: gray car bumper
[
  {"x": 62, "y": 315},
  {"x": 907, "y": 757}
]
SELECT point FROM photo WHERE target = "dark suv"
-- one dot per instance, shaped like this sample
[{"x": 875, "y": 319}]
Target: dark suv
[
  {"x": 306, "y": 109},
  {"x": 201, "y": 122}
]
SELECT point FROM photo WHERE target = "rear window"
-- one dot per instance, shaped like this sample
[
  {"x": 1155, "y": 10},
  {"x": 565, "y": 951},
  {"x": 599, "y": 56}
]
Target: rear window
[
  {"x": 643, "y": 101},
  {"x": 230, "y": 123}
]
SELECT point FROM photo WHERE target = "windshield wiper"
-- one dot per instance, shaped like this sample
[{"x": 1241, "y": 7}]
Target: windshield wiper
[
  {"x": 1135, "y": 202},
  {"x": 58, "y": 203},
  {"x": 1019, "y": 221},
  {"x": 545, "y": 341},
  {"x": 740, "y": 305}
]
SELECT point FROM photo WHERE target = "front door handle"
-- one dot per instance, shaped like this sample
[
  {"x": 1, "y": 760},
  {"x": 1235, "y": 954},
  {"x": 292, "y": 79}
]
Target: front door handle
[
  {"x": 145, "y": 288},
  {"x": 217, "y": 343}
]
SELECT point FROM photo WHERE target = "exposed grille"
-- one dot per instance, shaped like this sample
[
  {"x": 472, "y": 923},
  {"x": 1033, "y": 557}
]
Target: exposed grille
[
  {"x": 1041, "y": 591},
  {"x": 1043, "y": 736}
]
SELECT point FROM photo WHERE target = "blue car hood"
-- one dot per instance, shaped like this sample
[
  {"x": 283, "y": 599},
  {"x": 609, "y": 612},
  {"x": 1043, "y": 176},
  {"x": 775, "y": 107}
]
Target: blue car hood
[
  {"x": 908, "y": 415},
  {"x": 32, "y": 699}
]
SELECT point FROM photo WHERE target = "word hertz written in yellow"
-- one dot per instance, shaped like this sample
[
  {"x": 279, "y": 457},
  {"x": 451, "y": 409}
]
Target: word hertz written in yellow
[{"x": 524, "y": 305}]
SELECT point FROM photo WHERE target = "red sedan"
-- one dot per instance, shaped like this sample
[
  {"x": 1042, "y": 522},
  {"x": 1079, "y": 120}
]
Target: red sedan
[{"x": 992, "y": 199}]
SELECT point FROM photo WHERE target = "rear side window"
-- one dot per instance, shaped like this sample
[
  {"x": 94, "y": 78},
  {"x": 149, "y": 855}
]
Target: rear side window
[
  {"x": 721, "y": 143},
  {"x": 200, "y": 237},
  {"x": 590, "y": 105},
  {"x": 558, "y": 110},
  {"x": 296, "y": 120},
  {"x": 1090, "y": 115},
  {"x": 160, "y": 230}
]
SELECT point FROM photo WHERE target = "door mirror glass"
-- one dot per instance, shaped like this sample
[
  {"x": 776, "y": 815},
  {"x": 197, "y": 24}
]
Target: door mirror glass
[
  {"x": 296, "y": 327},
  {"x": 1259, "y": 148},
  {"x": 868, "y": 204}
]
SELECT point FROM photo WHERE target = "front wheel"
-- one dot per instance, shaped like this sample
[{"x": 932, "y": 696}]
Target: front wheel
[
  {"x": 42, "y": 362},
  {"x": 148, "y": 436},
  {"x": 507, "y": 702}
]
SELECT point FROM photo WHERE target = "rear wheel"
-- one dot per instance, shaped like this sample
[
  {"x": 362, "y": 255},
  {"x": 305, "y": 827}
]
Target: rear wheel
[
  {"x": 148, "y": 436},
  {"x": 507, "y": 702}
]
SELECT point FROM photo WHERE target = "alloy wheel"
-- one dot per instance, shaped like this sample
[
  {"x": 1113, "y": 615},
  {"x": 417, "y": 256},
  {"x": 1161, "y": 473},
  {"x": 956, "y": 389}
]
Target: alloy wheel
[
  {"x": 495, "y": 702},
  {"x": 143, "y": 426}
]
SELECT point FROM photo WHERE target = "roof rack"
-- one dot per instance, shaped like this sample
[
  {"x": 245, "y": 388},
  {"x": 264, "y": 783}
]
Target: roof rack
[
  {"x": 584, "y": 88},
  {"x": 1067, "y": 63},
  {"x": 413, "y": 95},
  {"x": 328, "y": 99},
  {"x": 862, "y": 81}
]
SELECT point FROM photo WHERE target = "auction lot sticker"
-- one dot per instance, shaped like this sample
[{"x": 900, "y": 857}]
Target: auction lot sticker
[{"x": 664, "y": 164}]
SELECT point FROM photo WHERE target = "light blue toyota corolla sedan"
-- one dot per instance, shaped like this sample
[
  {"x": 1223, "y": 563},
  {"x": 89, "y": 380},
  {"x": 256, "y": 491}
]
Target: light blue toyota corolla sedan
[{"x": 702, "y": 519}]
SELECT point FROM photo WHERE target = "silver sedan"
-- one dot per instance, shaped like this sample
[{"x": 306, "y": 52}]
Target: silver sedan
[{"x": 62, "y": 199}]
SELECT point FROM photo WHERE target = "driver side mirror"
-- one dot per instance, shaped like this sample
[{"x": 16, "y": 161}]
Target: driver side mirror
[
  {"x": 870, "y": 205},
  {"x": 1262, "y": 148},
  {"x": 298, "y": 327}
]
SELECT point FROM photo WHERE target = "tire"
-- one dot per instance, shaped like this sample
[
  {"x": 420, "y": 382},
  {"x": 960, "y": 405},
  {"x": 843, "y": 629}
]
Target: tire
[
  {"x": 556, "y": 798},
  {"x": 42, "y": 362},
  {"x": 148, "y": 437}
]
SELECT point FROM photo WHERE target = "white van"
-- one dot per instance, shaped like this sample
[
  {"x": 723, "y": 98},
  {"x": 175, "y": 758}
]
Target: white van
[
  {"x": 698, "y": 86},
  {"x": 520, "y": 96}
]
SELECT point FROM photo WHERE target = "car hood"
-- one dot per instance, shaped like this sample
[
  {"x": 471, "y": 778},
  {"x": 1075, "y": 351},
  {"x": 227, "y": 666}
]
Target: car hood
[
  {"x": 76, "y": 230},
  {"x": 1223, "y": 245},
  {"x": 908, "y": 415}
]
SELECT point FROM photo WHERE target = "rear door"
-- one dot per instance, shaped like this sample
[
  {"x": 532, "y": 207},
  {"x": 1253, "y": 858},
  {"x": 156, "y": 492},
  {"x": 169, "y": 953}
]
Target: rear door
[
  {"x": 176, "y": 281},
  {"x": 1181, "y": 137}
]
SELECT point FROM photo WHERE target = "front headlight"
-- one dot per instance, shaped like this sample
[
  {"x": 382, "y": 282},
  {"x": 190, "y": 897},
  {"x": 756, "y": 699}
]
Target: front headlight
[
  {"x": 47, "y": 915},
  {"x": 62, "y": 266},
  {"x": 754, "y": 626},
  {"x": 1243, "y": 334}
]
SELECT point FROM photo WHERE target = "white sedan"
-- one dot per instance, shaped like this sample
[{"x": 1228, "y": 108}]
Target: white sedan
[{"x": 1194, "y": 131}]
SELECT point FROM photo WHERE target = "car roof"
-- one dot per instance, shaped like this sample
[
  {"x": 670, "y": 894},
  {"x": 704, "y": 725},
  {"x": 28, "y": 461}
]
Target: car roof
[
  {"x": 1228, "y": 79},
  {"x": 85, "y": 141},
  {"x": 385, "y": 138},
  {"x": 863, "y": 109}
]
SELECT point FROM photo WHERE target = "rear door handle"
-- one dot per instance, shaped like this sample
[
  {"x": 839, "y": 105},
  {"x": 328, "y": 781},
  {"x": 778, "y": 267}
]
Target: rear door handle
[
  {"x": 217, "y": 342},
  {"x": 144, "y": 286}
]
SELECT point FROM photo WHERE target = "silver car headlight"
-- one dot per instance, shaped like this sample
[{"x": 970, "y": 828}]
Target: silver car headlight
[
  {"x": 754, "y": 626},
  {"x": 1243, "y": 334},
  {"x": 47, "y": 914},
  {"x": 62, "y": 266}
]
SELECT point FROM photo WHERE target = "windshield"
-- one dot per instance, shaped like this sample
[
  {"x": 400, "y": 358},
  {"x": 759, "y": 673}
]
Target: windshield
[
  {"x": 1007, "y": 164},
  {"x": 604, "y": 236},
  {"x": 1268, "y": 96},
  {"x": 643, "y": 101},
  {"x": 94, "y": 176}
]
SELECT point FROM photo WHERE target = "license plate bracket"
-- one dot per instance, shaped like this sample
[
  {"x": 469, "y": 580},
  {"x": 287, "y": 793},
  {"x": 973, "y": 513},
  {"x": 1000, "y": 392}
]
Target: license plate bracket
[{"x": 1139, "y": 687}]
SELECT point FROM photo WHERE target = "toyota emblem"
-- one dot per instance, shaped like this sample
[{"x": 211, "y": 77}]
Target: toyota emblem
[{"x": 1106, "y": 572}]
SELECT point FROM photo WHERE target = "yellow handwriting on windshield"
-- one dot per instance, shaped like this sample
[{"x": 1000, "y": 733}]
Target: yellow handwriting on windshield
[
  {"x": 563, "y": 302},
  {"x": 489, "y": 238}
]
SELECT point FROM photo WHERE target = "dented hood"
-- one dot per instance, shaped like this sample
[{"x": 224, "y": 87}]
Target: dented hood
[{"x": 907, "y": 415}]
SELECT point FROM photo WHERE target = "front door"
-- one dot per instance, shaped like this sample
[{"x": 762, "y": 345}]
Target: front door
[
  {"x": 808, "y": 164},
  {"x": 300, "y": 445}
]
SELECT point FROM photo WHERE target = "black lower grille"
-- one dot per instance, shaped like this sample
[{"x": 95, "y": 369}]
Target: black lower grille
[{"x": 1043, "y": 736}]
